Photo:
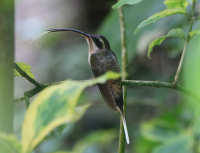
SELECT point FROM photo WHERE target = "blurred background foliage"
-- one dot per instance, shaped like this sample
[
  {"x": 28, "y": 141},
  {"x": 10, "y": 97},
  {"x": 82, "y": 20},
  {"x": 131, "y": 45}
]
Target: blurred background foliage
[{"x": 158, "y": 119}]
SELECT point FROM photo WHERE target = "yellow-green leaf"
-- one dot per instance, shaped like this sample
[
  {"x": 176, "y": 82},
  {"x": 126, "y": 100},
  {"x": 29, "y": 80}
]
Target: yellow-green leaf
[
  {"x": 79, "y": 112},
  {"x": 192, "y": 33},
  {"x": 157, "y": 16},
  {"x": 172, "y": 33},
  {"x": 53, "y": 107},
  {"x": 9, "y": 144},
  {"x": 122, "y": 2},
  {"x": 177, "y": 4},
  {"x": 26, "y": 68}
]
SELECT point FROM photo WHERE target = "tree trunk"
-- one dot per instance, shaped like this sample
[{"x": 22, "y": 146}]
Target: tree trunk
[{"x": 6, "y": 65}]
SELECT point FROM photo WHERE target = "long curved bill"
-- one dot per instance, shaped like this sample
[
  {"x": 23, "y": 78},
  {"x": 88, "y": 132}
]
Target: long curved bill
[
  {"x": 38, "y": 37},
  {"x": 72, "y": 30},
  {"x": 57, "y": 30}
]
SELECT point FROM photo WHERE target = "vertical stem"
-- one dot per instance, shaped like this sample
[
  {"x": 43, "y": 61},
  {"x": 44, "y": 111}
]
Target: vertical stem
[
  {"x": 180, "y": 64},
  {"x": 124, "y": 72},
  {"x": 6, "y": 66},
  {"x": 185, "y": 47}
]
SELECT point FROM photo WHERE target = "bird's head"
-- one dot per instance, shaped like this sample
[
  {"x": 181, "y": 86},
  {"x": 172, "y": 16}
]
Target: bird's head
[{"x": 96, "y": 43}]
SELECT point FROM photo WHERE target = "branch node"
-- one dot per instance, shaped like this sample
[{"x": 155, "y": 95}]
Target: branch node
[{"x": 26, "y": 97}]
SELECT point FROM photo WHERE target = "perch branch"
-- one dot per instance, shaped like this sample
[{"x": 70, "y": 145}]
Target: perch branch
[{"x": 156, "y": 84}]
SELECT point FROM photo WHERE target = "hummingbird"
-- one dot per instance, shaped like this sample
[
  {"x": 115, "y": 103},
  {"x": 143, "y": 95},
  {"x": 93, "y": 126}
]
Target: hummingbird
[{"x": 102, "y": 59}]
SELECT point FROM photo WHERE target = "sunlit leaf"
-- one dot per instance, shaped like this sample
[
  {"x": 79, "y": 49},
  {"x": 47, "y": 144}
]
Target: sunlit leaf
[
  {"x": 158, "y": 130},
  {"x": 54, "y": 106},
  {"x": 9, "y": 144},
  {"x": 158, "y": 16},
  {"x": 26, "y": 68},
  {"x": 172, "y": 33},
  {"x": 181, "y": 144},
  {"x": 192, "y": 33},
  {"x": 99, "y": 137},
  {"x": 177, "y": 4},
  {"x": 122, "y": 2}
]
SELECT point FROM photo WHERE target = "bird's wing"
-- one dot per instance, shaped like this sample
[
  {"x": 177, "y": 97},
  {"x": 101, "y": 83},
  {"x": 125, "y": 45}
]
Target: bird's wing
[
  {"x": 97, "y": 62},
  {"x": 101, "y": 63}
]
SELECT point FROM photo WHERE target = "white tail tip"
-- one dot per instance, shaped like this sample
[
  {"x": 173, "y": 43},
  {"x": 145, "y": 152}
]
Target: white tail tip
[{"x": 125, "y": 128}]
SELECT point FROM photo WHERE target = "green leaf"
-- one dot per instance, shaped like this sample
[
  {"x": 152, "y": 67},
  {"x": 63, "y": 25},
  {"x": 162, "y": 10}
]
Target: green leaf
[
  {"x": 143, "y": 145},
  {"x": 9, "y": 144},
  {"x": 157, "y": 16},
  {"x": 26, "y": 68},
  {"x": 181, "y": 144},
  {"x": 196, "y": 125},
  {"x": 192, "y": 33},
  {"x": 99, "y": 137},
  {"x": 122, "y": 2},
  {"x": 159, "y": 130},
  {"x": 172, "y": 33},
  {"x": 53, "y": 107},
  {"x": 176, "y": 4}
]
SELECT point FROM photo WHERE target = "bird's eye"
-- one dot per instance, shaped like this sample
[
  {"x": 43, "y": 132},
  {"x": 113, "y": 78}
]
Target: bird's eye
[{"x": 98, "y": 42}]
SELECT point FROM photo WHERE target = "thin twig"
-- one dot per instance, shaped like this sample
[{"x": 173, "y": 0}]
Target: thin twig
[
  {"x": 36, "y": 90},
  {"x": 29, "y": 93},
  {"x": 159, "y": 84},
  {"x": 26, "y": 100},
  {"x": 180, "y": 65},
  {"x": 185, "y": 47},
  {"x": 121, "y": 146},
  {"x": 25, "y": 75}
]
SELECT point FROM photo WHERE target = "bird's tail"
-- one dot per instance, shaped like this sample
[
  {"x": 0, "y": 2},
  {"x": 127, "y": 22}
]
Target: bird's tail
[{"x": 124, "y": 123}]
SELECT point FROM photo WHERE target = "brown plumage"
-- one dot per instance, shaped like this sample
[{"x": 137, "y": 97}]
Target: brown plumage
[
  {"x": 112, "y": 90},
  {"x": 103, "y": 59},
  {"x": 101, "y": 63}
]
